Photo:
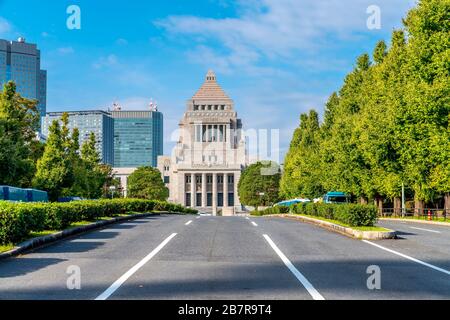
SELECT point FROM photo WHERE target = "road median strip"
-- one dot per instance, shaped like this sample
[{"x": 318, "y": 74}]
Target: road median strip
[
  {"x": 359, "y": 234},
  {"x": 61, "y": 235}
]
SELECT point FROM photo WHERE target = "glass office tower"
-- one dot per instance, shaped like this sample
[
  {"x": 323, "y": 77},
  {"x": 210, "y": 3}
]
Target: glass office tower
[
  {"x": 125, "y": 139},
  {"x": 21, "y": 63},
  {"x": 99, "y": 122},
  {"x": 138, "y": 138}
]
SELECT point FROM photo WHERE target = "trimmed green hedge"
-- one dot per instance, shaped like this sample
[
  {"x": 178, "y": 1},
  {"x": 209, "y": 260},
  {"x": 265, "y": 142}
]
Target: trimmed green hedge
[
  {"x": 17, "y": 220},
  {"x": 355, "y": 215}
]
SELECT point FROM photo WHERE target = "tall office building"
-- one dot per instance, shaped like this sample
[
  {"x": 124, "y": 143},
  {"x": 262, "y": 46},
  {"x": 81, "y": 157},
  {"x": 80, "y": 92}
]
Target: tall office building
[
  {"x": 99, "y": 122},
  {"x": 21, "y": 63},
  {"x": 125, "y": 139},
  {"x": 138, "y": 138}
]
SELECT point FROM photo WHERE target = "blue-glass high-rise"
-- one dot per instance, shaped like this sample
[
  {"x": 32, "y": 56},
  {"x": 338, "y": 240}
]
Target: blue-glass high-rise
[
  {"x": 138, "y": 138},
  {"x": 98, "y": 122},
  {"x": 21, "y": 62},
  {"x": 125, "y": 139}
]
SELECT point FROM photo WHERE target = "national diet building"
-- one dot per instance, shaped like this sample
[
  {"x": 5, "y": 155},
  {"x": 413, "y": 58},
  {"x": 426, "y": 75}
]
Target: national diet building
[{"x": 205, "y": 166}]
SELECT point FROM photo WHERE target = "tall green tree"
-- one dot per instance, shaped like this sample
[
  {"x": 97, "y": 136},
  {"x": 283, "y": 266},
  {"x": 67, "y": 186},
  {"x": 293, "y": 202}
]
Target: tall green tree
[
  {"x": 425, "y": 116},
  {"x": 302, "y": 172},
  {"x": 19, "y": 120},
  {"x": 59, "y": 166},
  {"x": 342, "y": 164},
  {"x": 90, "y": 176},
  {"x": 259, "y": 184},
  {"x": 147, "y": 183},
  {"x": 52, "y": 169}
]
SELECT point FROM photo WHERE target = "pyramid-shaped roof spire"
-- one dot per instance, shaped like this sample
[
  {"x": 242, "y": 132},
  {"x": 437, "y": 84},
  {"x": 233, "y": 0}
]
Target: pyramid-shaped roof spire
[{"x": 210, "y": 90}]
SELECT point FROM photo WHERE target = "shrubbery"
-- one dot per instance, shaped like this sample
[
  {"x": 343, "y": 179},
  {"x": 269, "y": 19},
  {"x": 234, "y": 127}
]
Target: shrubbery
[
  {"x": 17, "y": 220},
  {"x": 355, "y": 215}
]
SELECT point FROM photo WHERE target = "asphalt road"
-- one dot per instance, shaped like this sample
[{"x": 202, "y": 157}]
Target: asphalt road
[{"x": 190, "y": 257}]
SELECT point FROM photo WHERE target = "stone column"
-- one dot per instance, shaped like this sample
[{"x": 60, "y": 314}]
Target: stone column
[
  {"x": 214, "y": 194},
  {"x": 237, "y": 202},
  {"x": 225, "y": 190},
  {"x": 204, "y": 203},
  {"x": 183, "y": 189},
  {"x": 193, "y": 190}
]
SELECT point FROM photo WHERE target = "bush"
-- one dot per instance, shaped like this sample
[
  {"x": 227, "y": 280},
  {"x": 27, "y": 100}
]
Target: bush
[
  {"x": 355, "y": 215},
  {"x": 17, "y": 220}
]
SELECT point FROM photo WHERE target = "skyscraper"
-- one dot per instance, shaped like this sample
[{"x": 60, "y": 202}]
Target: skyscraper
[
  {"x": 138, "y": 138},
  {"x": 125, "y": 139},
  {"x": 21, "y": 63},
  {"x": 98, "y": 122}
]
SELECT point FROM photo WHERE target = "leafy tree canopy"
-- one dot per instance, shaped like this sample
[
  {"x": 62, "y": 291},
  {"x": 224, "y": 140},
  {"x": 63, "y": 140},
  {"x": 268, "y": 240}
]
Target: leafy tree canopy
[{"x": 147, "y": 183}]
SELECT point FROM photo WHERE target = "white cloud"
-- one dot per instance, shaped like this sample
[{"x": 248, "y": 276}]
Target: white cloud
[
  {"x": 5, "y": 26},
  {"x": 66, "y": 50},
  {"x": 278, "y": 28},
  {"x": 122, "y": 42},
  {"x": 105, "y": 62}
]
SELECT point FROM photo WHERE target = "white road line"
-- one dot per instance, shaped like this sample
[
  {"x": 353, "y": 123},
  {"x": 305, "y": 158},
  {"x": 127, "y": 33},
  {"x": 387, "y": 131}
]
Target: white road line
[
  {"x": 198, "y": 217},
  {"x": 247, "y": 218},
  {"x": 308, "y": 286},
  {"x": 409, "y": 258},
  {"x": 253, "y": 223},
  {"x": 434, "y": 231},
  {"x": 188, "y": 223},
  {"x": 116, "y": 285}
]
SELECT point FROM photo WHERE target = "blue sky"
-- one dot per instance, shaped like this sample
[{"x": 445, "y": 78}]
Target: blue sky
[{"x": 275, "y": 58}]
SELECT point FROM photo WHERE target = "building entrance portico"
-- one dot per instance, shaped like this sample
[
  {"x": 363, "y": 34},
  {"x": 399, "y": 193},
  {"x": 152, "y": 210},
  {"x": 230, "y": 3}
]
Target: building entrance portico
[{"x": 213, "y": 192}]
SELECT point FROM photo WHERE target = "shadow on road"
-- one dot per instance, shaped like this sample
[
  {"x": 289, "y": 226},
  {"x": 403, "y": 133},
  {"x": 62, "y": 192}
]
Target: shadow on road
[{"x": 22, "y": 266}]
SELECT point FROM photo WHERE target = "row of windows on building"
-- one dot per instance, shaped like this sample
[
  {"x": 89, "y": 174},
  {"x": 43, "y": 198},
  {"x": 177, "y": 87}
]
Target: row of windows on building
[
  {"x": 211, "y": 133},
  {"x": 209, "y": 107},
  {"x": 209, "y": 179}
]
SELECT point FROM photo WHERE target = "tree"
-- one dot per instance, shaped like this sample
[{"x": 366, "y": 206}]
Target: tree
[
  {"x": 89, "y": 152},
  {"x": 59, "y": 166},
  {"x": 259, "y": 186},
  {"x": 19, "y": 120},
  {"x": 302, "y": 172},
  {"x": 90, "y": 176},
  {"x": 52, "y": 169},
  {"x": 147, "y": 183},
  {"x": 425, "y": 115},
  {"x": 380, "y": 52}
]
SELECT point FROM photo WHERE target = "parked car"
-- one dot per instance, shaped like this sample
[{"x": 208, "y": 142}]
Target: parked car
[
  {"x": 336, "y": 197},
  {"x": 288, "y": 203},
  {"x": 70, "y": 199}
]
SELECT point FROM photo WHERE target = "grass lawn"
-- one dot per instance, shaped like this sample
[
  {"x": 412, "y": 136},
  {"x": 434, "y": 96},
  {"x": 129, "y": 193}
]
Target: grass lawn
[
  {"x": 5, "y": 248},
  {"x": 375, "y": 228}
]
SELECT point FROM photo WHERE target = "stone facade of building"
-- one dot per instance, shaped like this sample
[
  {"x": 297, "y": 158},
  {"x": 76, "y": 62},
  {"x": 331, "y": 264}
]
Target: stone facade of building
[{"x": 206, "y": 164}]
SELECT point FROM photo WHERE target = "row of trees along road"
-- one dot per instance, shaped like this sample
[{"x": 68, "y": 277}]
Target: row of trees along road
[
  {"x": 59, "y": 166},
  {"x": 389, "y": 123}
]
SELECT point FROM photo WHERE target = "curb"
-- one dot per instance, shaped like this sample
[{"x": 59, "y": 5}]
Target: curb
[
  {"x": 40, "y": 241},
  {"x": 363, "y": 235},
  {"x": 437, "y": 223}
]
